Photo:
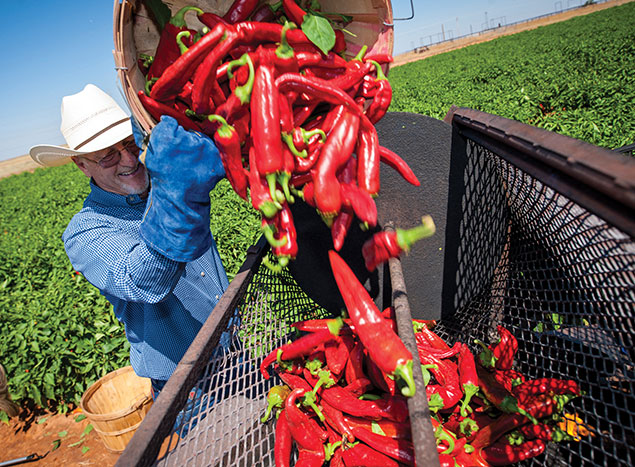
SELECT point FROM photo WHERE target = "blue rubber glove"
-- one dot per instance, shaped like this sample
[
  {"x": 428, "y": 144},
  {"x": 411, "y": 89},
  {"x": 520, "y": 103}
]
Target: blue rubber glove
[{"x": 184, "y": 167}]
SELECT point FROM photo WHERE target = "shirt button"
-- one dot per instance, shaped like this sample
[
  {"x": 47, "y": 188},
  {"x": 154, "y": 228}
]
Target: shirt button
[
  {"x": 216, "y": 297},
  {"x": 203, "y": 274}
]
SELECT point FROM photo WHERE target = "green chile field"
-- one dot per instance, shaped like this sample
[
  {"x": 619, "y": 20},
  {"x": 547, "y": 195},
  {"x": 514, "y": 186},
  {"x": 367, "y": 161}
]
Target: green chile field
[{"x": 58, "y": 334}]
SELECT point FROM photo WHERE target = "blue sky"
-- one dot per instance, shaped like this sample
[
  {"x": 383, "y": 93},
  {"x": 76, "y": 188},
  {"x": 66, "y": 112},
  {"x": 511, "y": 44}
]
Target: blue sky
[{"x": 52, "y": 48}]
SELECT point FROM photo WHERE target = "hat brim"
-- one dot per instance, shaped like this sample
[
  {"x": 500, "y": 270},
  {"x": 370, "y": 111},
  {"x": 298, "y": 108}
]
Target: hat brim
[{"x": 53, "y": 156}]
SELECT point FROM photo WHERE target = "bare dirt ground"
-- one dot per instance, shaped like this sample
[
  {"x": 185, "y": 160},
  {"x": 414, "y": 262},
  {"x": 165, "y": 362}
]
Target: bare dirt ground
[
  {"x": 30, "y": 433},
  {"x": 17, "y": 165},
  {"x": 500, "y": 32}
]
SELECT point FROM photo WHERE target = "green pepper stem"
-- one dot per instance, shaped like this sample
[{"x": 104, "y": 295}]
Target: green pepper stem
[
  {"x": 307, "y": 135},
  {"x": 225, "y": 130},
  {"x": 283, "y": 180},
  {"x": 442, "y": 435},
  {"x": 271, "y": 181},
  {"x": 268, "y": 231},
  {"x": 179, "y": 40},
  {"x": 380, "y": 72},
  {"x": 404, "y": 372},
  {"x": 243, "y": 92},
  {"x": 335, "y": 326},
  {"x": 275, "y": 268},
  {"x": 470, "y": 391},
  {"x": 178, "y": 19},
  {"x": 287, "y": 138},
  {"x": 284, "y": 50},
  {"x": 406, "y": 238},
  {"x": 360, "y": 55}
]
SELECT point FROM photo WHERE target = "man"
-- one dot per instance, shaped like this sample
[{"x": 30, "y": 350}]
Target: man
[{"x": 149, "y": 250}]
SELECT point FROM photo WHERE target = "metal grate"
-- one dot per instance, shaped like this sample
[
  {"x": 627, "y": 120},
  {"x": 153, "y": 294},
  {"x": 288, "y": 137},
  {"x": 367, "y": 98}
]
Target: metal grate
[
  {"x": 228, "y": 431},
  {"x": 563, "y": 281},
  {"x": 538, "y": 238}
]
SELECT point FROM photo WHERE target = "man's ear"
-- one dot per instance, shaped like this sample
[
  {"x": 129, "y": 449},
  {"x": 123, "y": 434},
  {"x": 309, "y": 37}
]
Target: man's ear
[{"x": 81, "y": 163}]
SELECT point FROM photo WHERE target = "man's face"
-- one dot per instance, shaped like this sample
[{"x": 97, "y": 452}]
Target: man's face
[{"x": 116, "y": 169}]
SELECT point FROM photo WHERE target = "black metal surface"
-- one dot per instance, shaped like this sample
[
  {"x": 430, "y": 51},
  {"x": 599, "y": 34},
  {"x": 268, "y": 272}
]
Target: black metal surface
[
  {"x": 424, "y": 143},
  {"x": 557, "y": 275}
]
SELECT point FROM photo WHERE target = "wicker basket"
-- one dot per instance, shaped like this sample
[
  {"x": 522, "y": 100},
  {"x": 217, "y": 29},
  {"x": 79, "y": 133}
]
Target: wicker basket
[
  {"x": 136, "y": 33},
  {"x": 116, "y": 404}
]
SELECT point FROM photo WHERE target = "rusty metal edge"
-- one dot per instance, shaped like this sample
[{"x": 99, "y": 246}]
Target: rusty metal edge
[
  {"x": 596, "y": 178},
  {"x": 143, "y": 448},
  {"x": 423, "y": 439}
]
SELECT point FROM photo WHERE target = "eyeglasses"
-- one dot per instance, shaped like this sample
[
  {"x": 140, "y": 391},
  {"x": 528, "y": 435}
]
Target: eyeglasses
[{"x": 114, "y": 155}]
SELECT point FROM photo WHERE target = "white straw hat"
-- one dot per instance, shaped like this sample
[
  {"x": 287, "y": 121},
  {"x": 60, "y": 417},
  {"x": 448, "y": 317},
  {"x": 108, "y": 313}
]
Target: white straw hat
[{"x": 91, "y": 121}]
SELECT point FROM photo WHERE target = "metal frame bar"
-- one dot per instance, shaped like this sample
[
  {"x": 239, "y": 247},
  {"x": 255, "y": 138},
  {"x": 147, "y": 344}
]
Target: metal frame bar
[
  {"x": 596, "y": 178},
  {"x": 143, "y": 448}
]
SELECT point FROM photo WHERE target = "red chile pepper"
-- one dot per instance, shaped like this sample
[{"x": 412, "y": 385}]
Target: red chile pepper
[
  {"x": 235, "y": 107},
  {"x": 316, "y": 59},
  {"x": 304, "y": 430},
  {"x": 314, "y": 325},
  {"x": 228, "y": 143},
  {"x": 168, "y": 50},
  {"x": 379, "y": 378},
  {"x": 360, "y": 202},
  {"x": 337, "y": 353},
  {"x": 390, "y": 428},
  {"x": 298, "y": 348},
  {"x": 504, "y": 454},
  {"x": 385, "y": 245},
  {"x": 340, "y": 227},
  {"x": 284, "y": 442},
  {"x": 447, "y": 393},
  {"x": 343, "y": 400},
  {"x": 393, "y": 160},
  {"x": 541, "y": 431},
  {"x": 335, "y": 153},
  {"x": 499, "y": 396},
  {"x": 176, "y": 75},
  {"x": 263, "y": 14},
  {"x": 259, "y": 33},
  {"x": 259, "y": 191},
  {"x": 355, "y": 365},
  {"x": 293, "y": 11},
  {"x": 157, "y": 109},
  {"x": 546, "y": 386},
  {"x": 425, "y": 349},
  {"x": 240, "y": 10},
  {"x": 506, "y": 349},
  {"x": 379, "y": 57},
  {"x": 211, "y": 20},
  {"x": 275, "y": 399},
  {"x": 335, "y": 418},
  {"x": 286, "y": 229},
  {"x": 383, "y": 345},
  {"x": 318, "y": 88},
  {"x": 368, "y": 158},
  {"x": 265, "y": 126},
  {"x": 401, "y": 450},
  {"x": 467, "y": 376},
  {"x": 359, "y": 387},
  {"x": 362, "y": 455},
  {"x": 340, "y": 42},
  {"x": 422, "y": 329},
  {"x": 205, "y": 75},
  {"x": 383, "y": 96}
]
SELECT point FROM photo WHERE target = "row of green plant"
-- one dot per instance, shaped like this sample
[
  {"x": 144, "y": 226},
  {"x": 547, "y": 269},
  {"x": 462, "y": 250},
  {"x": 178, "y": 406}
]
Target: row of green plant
[
  {"x": 58, "y": 334},
  {"x": 574, "y": 77}
]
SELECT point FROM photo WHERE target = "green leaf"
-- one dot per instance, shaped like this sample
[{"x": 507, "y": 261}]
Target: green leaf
[
  {"x": 80, "y": 417},
  {"x": 42, "y": 420},
  {"x": 76, "y": 444},
  {"x": 85, "y": 449},
  {"x": 62, "y": 434},
  {"x": 56, "y": 444},
  {"x": 376, "y": 428},
  {"x": 4, "y": 418},
  {"x": 319, "y": 31},
  {"x": 87, "y": 430},
  {"x": 160, "y": 11}
]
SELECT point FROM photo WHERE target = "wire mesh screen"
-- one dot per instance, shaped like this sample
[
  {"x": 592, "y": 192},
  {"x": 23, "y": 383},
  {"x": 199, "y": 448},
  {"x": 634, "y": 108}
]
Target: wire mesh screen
[
  {"x": 220, "y": 424},
  {"x": 562, "y": 281}
]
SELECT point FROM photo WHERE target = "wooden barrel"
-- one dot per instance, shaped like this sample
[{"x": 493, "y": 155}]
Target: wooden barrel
[
  {"x": 116, "y": 404},
  {"x": 136, "y": 33}
]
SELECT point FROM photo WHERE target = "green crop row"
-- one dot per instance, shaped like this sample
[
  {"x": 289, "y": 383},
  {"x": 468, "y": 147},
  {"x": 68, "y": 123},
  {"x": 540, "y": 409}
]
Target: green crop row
[
  {"x": 574, "y": 77},
  {"x": 58, "y": 334}
]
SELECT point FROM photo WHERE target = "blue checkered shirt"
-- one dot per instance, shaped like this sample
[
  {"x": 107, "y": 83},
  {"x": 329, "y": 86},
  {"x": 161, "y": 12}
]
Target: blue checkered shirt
[{"x": 162, "y": 303}]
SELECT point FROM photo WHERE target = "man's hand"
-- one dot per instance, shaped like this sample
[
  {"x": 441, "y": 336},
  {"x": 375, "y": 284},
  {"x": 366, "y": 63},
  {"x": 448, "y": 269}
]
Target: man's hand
[{"x": 184, "y": 167}]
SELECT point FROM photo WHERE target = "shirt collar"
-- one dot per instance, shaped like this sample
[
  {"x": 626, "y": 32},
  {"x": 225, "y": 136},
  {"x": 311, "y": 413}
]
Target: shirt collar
[{"x": 101, "y": 196}]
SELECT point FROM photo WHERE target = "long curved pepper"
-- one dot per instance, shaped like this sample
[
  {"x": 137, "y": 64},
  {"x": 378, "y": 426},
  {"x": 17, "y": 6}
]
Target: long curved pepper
[{"x": 384, "y": 347}]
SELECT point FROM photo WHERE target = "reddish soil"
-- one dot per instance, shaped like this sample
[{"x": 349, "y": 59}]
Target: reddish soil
[{"x": 31, "y": 433}]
